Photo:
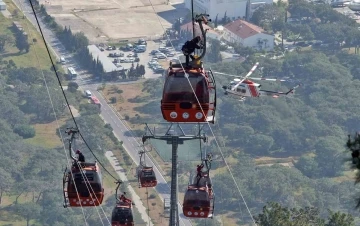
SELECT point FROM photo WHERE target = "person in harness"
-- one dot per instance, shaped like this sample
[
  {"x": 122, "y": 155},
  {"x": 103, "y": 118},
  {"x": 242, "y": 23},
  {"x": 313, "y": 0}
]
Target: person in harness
[
  {"x": 124, "y": 199},
  {"x": 189, "y": 47}
]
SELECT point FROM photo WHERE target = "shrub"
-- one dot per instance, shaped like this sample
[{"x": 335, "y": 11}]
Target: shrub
[{"x": 25, "y": 131}]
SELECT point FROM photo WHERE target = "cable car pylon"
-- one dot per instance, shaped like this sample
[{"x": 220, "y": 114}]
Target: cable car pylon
[{"x": 175, "y": 140}]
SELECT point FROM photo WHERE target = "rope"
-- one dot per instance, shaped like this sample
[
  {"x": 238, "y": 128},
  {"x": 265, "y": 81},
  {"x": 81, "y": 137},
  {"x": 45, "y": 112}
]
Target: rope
[
  {"x": 55, "y": 115},
  {"x": 63, "y": 91},
  {"x": 219, "y": 148}
]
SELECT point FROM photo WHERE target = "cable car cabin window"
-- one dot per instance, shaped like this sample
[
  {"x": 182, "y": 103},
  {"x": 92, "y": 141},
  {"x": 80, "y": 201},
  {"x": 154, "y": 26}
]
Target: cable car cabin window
[
  {"x": 92, "y": 177},
  {"x": 121, "y": 214},
  {"x": 148, "y": 173},
  {"x": 177, "y": 88},
  {"x": 200, "y": 198}
]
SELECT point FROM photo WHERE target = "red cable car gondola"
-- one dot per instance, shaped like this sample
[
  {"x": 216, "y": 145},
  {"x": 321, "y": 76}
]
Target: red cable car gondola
[
  {"x": 82, "y": 183},
  {"x": 199, "y": 197},
  {"x": 87, "y": 180},
  {"x": 179, "y": 102},
  {"x": 146, "y": 174},
  {"x": 147, "y": 177},
  {"x": 122, "y": 212}
]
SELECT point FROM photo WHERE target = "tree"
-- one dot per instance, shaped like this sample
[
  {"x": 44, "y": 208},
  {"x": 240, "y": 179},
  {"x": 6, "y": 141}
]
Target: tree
[
  {"x": 21, "y": 42},
  {"x": 25, "y": 131},
  {"x": 214, "y": 55},
  {"x": 5, "y": 182},
  {"x": 3, "y": 40},
  {"x": 340, "y": 219},
  {"x": 73, "y": 86},
  {"x": 275, "y": 214},
  {"x": 141, "y": 71},
  {"x": 29, "y": 210}
]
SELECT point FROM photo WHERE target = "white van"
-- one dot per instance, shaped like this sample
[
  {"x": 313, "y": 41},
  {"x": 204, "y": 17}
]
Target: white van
[
  {"x": 88, "y": 93},
  {"x": 62, "y": 60}
]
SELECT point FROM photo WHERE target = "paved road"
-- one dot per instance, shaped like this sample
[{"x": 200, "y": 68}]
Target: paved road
[
  {"x": 109, "y": 115},
  {"x": 132, "y": 145},
  {"x": 135, "y": 198}
]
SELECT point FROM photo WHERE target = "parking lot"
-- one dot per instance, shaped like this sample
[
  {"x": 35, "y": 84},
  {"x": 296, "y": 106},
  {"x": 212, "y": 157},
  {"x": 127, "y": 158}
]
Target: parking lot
[{"x": 144, "y": 58}]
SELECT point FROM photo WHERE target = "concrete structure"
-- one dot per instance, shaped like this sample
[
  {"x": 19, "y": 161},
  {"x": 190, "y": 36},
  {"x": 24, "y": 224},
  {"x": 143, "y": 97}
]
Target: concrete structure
[
  {"x": 106, "y": 62},
  {"x": 209, "y": 34},
  {"x": 247, "y": 34},
  {"x": 2, "y": 5}
]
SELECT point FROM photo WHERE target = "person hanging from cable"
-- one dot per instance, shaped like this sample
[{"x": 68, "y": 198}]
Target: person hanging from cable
[
  {"x": 189, "y": 47},
  {"x": 199, "y": 172},
  {"x": 81, "y": 157},
  {"x": 124, "y": 199}
]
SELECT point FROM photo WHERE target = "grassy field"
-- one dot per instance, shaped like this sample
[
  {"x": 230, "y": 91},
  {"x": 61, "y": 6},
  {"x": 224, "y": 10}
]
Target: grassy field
[{"x": 37, "y": 56}]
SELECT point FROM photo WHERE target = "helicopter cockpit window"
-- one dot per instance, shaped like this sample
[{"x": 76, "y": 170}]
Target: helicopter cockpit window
[
  {"x": 241, "y": 90},
  {"x": 178, "y": 89}
]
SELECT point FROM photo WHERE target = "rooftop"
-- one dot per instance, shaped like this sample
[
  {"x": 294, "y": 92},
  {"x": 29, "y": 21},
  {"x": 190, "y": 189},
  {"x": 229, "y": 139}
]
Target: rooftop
[
  {"x": 106, "y": 62},
  {"x": 243, "y": 29}
]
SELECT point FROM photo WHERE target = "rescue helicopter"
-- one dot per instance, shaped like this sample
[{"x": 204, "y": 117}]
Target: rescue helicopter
[
  {"x": 199, "y": 197},
  {"x": 146, "y": 174},
  {"x": 82, "y": 182},
  {"x": 122, "y": 213},
  {"x": 189, "y": 93},
  {"x": 244, "y": 87}
]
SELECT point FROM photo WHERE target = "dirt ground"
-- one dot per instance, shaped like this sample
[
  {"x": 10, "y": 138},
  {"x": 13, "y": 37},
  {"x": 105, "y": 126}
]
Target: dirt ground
[{"x": 103, "y": 20}]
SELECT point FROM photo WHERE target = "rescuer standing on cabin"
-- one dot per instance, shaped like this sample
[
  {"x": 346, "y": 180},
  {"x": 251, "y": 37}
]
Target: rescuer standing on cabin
[
  {"x": 81, "y": 157},
  {"x": 124, "y": 199},
  {"x": 198, "y": 169},
  {"x": 189, "y": 47}
]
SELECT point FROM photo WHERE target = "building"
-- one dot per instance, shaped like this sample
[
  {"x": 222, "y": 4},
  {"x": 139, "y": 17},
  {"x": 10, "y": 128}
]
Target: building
[
  {"x": 209, "y": 34},
  {"x": 105, "y": 61},
  {"x": 234, "y": 9},
  {"x": 2, "y": 5},
  {"x": 247, "y": 34}
]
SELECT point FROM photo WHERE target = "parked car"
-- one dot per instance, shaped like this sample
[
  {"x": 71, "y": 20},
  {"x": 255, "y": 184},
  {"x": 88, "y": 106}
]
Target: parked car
[
  {"x": 170, "y": 54},
  {"x": 161, "y": 56},
  {"x": 154, "y": 52}
]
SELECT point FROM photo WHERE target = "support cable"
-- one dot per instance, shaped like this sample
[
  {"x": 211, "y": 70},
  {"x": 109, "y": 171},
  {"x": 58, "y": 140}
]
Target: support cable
[
  {"x": 56, "y": 119},
  {"x": 63, "y": 91},
  {"x": 216, "y": 141}
]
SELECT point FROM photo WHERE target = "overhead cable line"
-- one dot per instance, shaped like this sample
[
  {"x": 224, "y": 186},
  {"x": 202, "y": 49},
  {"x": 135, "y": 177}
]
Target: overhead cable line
[
  {"x": 63, "y": 91},
  {"x": 56, "y": 118},
  {"x": 219, "y": 148}
]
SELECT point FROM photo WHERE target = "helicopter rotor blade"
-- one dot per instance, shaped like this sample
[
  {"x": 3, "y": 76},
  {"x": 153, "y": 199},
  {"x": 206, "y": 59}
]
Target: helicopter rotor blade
[
  {"x": 220, "y": 73},
  {"x": 270, "y": 79},
  {"x": 246, "y": 76}
]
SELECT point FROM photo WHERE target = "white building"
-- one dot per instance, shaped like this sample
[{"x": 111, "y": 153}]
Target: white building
[
  {"x": 2, "y": 5},
  {"x": 233, "y": 8},
  {"x": 247, "y": 34},
  {"x": 209, "y": 34}
]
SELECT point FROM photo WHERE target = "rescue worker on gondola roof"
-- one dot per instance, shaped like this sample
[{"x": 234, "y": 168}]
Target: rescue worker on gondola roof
[{"x": 189, "y": 47}]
